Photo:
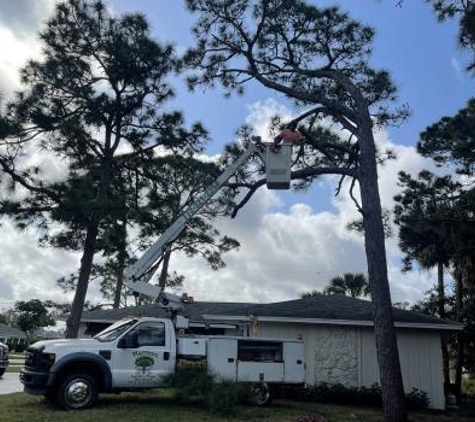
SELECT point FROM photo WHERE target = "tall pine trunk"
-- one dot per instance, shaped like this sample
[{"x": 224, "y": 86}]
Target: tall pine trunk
[
  {"x": 394, "y": 406},
  {"x": 459, "y": 350},
  {"x": 92, "y": 231},
  {"x": 162, "y": 280},
  {"x": 74, "y": 319},
  {"x": 441, "y": 305},
  {"x": 121, "y": 257}
]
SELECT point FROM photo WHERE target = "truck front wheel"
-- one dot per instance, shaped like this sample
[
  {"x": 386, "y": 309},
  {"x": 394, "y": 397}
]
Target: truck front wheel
[
  {"x": 77, "y": 391},
  {"x": 2, "y": 371},
  {"x": 261, "y": 394}
]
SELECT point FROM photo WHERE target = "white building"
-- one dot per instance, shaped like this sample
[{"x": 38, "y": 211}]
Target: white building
[{"x": 337, "y": 330}]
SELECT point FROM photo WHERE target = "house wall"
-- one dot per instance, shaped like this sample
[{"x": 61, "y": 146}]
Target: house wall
[
  {"x": 420, "y": 356},
  {"x": 347, "y": 355}
]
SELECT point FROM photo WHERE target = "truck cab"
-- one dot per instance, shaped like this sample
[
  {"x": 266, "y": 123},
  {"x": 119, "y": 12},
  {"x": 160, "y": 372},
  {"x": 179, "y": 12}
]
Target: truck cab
[{"x": 128, "y": 355}]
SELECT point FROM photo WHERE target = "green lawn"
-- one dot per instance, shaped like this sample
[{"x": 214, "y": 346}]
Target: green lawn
[{"x": 158, "y": 407}]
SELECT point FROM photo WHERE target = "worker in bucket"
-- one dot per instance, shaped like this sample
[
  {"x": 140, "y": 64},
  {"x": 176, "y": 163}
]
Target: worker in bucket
[{"x": 287, "y": 136}]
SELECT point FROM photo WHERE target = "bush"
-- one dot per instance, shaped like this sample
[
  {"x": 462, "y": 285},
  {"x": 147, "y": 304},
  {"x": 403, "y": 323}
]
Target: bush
[
  {"x": 417, "y": 399},
  {"x": 358, "y": 396},
  {"x": 196, "y": 384},
  {"x": 468, "y": 387},
  {"x": 20, "y": 348},
  {"x": 224, "y": 396},
  {"x": 190, "y": 383},
  {"x": 310, "y": 418}
]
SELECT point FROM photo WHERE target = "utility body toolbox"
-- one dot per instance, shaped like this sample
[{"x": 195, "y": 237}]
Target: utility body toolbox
[{"x": 247, "y": 359}]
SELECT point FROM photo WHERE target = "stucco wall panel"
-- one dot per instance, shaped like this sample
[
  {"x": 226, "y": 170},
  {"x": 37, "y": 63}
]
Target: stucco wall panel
[{"x": 347, "y": 355}]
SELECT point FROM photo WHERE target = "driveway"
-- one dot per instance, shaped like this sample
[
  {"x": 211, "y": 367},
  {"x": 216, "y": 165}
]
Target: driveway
[{"x": 10, "y": 383}]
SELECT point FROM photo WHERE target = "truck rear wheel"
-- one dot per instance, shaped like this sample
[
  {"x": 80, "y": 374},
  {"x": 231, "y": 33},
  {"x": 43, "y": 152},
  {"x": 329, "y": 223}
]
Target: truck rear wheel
[
  {"x": 261, "y": 394},
  {"x": 2, "y": 371},
  {"x": 77, "y": 391}
]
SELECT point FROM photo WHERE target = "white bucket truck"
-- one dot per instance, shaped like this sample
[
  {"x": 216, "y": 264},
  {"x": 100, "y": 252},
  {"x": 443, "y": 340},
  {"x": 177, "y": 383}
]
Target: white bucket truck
[{"x": 137, "y": 353}]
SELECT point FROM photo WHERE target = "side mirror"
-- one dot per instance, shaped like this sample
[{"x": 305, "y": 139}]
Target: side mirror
[{"x": 129, "y": 341}]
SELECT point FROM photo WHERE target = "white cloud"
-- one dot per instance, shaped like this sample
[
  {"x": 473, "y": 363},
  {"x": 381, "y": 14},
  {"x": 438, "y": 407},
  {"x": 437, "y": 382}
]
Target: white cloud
[
  {"x": 459, "y": 72},
  {"x": 26, "y": 271},
  {"x": 19, "y": 22},
  {"x": 25, "y": 16},
  {"x": 260, "y": 115}
]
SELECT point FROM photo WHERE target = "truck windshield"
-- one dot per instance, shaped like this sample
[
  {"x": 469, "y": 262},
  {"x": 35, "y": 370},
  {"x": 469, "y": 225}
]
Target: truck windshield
[{"x": 115, "y": 330}]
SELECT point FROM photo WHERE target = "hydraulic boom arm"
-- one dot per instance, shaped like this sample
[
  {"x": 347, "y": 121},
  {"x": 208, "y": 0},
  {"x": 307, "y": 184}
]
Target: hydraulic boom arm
[{"x": 139, "y": 273}]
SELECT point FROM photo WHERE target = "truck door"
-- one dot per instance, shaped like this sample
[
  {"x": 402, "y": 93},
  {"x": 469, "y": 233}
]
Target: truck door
[{"x": 143, "y": 356}]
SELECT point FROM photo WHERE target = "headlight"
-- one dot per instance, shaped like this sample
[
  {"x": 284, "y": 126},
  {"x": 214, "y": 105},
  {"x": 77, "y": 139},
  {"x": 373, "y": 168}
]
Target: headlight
[{"x": 48, "y": 357}]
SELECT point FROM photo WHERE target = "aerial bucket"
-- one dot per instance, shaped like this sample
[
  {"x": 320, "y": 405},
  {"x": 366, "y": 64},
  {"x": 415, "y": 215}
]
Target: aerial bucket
[{"x": 278, "y": 164}]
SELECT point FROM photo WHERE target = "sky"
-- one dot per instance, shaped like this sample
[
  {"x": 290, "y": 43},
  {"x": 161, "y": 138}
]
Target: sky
[{"x": 290, "y": 243}]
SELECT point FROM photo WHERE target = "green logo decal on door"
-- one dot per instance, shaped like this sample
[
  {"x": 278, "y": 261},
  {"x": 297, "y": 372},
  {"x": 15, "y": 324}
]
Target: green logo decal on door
[{"x": 144, "y": 362}]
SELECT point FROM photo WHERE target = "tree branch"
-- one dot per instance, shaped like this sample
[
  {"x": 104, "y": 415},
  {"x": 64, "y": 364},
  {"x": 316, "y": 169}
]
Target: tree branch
[
  {"x": 297, "y": 174},
  {"x": 17, "y": 178}
]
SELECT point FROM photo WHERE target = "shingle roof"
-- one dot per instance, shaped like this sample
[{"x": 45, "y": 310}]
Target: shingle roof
[
  {"x": 7, "y": 332},
  {"x": 194, "y": 311},
  {"x": 330, "y": 307}
]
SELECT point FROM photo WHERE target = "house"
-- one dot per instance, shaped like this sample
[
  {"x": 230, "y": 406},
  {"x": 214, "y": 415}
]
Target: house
[
  {"x": 338, "y": 333},
  {"x": 11, "y": 336}
]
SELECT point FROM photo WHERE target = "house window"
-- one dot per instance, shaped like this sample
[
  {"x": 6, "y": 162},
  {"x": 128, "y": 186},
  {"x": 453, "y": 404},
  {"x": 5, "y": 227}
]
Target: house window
[{"x": 259, "y": 351}]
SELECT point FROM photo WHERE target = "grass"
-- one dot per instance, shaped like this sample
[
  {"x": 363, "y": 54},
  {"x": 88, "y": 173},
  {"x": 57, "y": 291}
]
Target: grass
[
  {"x": 160, "y": 406},
  {"x": 13, "y": 368}
]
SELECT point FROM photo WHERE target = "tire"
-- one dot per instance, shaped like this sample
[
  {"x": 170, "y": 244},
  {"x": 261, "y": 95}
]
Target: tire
[
  {"x": 261, "y": 394},
  {"x": 2, "y": 371},
  {"x": 77, "y": 392}
]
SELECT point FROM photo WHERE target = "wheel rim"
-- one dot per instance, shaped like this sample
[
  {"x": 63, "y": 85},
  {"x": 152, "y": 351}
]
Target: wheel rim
[
  {"x": 78, "y": 393},
  {"x": 261, "y": 394}
]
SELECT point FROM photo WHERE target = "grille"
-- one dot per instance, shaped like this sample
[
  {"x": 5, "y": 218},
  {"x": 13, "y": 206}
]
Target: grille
[
  {"x": 1, "y": 353},
  {"x": 30, "y": 357}
]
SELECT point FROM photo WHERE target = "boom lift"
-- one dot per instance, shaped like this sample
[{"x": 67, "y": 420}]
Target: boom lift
[
  {"x": 278, "y": 162},
  {"x": 135, "y": 354}
]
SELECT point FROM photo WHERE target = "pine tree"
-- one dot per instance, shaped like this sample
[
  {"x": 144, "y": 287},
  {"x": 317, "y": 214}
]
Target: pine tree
[
  {"x": 95, "y": 101},
  {"x": 424, "y": 214},
  {"x": 319, "y": 59}
]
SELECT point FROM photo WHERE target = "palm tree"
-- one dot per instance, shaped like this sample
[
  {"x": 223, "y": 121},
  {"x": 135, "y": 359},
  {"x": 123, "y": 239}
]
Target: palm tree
[{"x": 353, "y": 285}]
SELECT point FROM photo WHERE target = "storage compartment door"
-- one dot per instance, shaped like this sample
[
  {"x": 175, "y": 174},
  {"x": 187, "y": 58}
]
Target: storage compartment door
[
  {"x": 222, "y": 358},
  {"x": 294, "y": 362},
  {"x": 261, "y": 371}
]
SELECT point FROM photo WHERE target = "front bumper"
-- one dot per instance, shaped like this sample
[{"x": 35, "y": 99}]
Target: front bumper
[
  {"x": 34, "y": 382},
  {"x": 3, "y": 363}
]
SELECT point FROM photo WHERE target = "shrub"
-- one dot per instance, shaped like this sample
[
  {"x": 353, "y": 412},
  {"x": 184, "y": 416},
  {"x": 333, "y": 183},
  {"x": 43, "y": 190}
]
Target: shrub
[
  {"x": 196, "y": 384},
  {"x": 310, "y": 418},
  {"x": 20, "y": 348},
  {"x": 224, "y": 396},
  {"x": 468, "y": 387},
  {"x": 417, "y": 399},
  {"x": 358, "y": 396},
  {"x": 190, "y": 383}
]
